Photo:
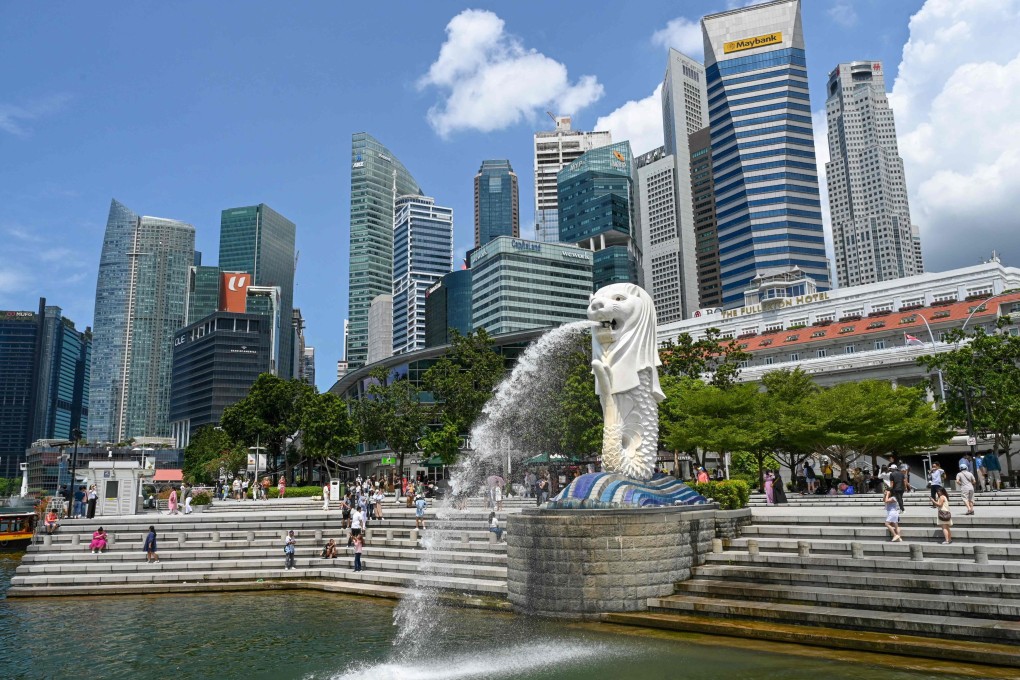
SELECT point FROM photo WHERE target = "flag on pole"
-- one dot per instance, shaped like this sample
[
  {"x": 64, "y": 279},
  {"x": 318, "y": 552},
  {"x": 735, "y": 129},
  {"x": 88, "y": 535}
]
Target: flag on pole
[{"x": 911, "y": 340}]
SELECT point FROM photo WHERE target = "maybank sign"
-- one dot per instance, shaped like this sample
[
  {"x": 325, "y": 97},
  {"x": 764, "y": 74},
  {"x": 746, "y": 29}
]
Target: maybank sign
[{"x": 751, "y": 43}]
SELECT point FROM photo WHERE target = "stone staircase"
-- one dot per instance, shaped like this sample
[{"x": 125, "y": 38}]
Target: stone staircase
[
  {"x": 227, "y": 548},
  {"x": 919, "y": 498},
  {"x": 834, "y": 569}
]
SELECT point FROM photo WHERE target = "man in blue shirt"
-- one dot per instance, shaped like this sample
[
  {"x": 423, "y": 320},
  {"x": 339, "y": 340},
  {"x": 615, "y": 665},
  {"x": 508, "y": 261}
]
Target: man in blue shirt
[{"x": 993, "y": 470}]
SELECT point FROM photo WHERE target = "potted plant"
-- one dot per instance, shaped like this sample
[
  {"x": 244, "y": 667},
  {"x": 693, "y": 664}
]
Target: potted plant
[{"x": 200, "y": 501}]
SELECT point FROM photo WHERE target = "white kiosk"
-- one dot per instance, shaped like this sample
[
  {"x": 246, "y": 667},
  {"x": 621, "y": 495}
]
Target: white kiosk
[{"x": 118, "y": 484}]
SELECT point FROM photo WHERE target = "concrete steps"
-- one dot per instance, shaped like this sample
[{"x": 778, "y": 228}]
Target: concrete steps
[
  {"x": 919, "y": 498},
  {"x": 244, "y": 548}
]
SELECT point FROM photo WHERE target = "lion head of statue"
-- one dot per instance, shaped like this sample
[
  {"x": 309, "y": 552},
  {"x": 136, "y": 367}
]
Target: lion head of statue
[{"x": 624, "y": 339}]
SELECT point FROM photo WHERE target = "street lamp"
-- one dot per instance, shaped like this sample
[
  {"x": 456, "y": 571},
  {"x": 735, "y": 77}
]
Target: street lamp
[
  {"x": 942, "y": 384},
  {"x": 75, "y": 436}
]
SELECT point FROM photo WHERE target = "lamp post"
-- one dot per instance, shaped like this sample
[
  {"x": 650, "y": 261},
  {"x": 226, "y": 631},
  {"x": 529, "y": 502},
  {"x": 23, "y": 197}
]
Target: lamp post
[
  {"x": 256, "y": 487},
  {"x": 75, "y": 435},
  {"x": 942, "y": 384}
]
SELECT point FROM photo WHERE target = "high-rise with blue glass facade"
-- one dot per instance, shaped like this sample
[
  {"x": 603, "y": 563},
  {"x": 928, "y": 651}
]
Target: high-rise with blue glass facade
[
  {"x": 448, "y": 307},
  {"x": 598, "y": 212},
  {"x": 141, "y": 302},
  {"x": 497, "y": 210},
  {"x": 258, "y": 240},
  {"x": 422, "y": 255},
  {"x": 44, "y": 380},
  {"x": 377, "y": 179},
  {"x": 763, "y": 152}
]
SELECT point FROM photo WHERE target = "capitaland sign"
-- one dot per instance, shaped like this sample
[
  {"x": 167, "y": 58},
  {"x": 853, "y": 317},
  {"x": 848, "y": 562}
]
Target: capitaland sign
[
  {"x": 752, "y": 43},
  {"x": 526, "y": 245},
  {"x": 776, "y": 303}
]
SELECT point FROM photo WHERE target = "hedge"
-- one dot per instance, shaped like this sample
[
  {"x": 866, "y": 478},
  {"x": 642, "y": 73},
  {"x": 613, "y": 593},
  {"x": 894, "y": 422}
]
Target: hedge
[
  {"x": 295, "y": 491},
  {"x": 730, "y": 494}
]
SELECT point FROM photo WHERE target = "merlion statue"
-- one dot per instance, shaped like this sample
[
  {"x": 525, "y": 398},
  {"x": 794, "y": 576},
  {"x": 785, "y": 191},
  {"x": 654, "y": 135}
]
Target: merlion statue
[{"x": 625, "y": 361}]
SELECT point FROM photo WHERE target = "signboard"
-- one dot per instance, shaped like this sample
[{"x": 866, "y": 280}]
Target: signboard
[
  {"x": 777, "y": 302},
  {"x": 234, "y": 291},
  {"x": 971, "y": 441},
  {"x": 526, "y": 245},
  {"x": 388, "y": 460},
  {"x": 753, "y": 43}
]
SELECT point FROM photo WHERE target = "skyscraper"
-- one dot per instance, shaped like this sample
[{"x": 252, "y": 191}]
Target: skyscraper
[
  {"x": 44, "y": 380},
  {"x": 517, "y": 285},
  {"x": 258, "y": 240},
  {"x": 497, "y": 209},
  {"x": 553, "y": 151},
  {"x": 377, "y": 178},
  {"x": 380, "y": 329},
  {"x": 422, "y": 255},
  {"x": 872, "y": 235},
  {"x": 705, "y": 234},
  {"x": 763, "y": 155},
  {"x": 663, "y": 275},
  {"x": 141, "y": 301},
  {"x": 598, "y": 212},
  {"x": 448, "y": 306}
]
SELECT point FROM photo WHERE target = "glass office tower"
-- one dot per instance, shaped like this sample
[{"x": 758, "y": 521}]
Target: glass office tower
[
  {"x": 377, "y": 178},
  {"x": 598, "y": 212},
  {"x": 422, "y": 255},
  {"x": 258, "y": 240},
  {"x": 448, "y": 307},
  {"x": 497, "y": 209},
  {"x": 768, "y": 209},
  {"x": 141, "y": 302}
]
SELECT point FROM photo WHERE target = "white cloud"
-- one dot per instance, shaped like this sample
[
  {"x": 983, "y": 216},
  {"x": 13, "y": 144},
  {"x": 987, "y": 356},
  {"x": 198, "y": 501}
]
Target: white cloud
[
  {"x": 955, "y": 99},
  {"x": 15, "y": 118},
  {"x": 683, "y": 35},
  {"x": 844, "y": 14},
  {"x": 639, "y": 122},
  {"x": 490, "y": 81}
]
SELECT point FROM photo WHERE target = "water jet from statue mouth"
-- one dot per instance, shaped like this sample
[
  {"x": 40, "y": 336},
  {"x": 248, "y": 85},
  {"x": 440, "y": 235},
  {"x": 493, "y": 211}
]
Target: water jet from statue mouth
[{"x": 609, "y": 324}]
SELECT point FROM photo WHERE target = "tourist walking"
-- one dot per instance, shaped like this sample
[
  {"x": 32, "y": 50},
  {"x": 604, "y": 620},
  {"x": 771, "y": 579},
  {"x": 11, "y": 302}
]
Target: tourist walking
[
  {"x": 965, "y": 485},
  {"x": 79, "y": 502},
  {"x": 357, "y": 525},
  {"x": 892, "y": 515},
  {"x": 944, "y": 518},
  {"x": 150, "y": 546},
  {"x": 898, "y": 483},
  {"x": 769, "y": 495},
  {"x": 494, "y": 526},
  {"x": 993, "y": 470},
  {"x": 359, "y": 544},
  {"x": 325, "y": 497},
  {"x": 187, "y": 499},
  {"x": 281, "y": 487},
  {"x": 172, "y": 501},
  {"x": 236, "y": 488},
  {"x": 778, "y": 491},
  {"x": 937, "y": 479},
  {"x": 91, "y": 499},
  {"x": 419, "y": 512},
  {"x": 378, "y": 500},
  {"x": 288, "y": 550},
  {"x": 98, "y": 543},
  {"x": 980, "y": 473},
  {"x": 543, "y": 491},
  {"x": 345, "y": 511},
  {"x": 809, "y": 475}
]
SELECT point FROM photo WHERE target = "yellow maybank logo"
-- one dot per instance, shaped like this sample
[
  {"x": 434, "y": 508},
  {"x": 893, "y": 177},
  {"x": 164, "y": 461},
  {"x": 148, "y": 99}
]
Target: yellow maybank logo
[
  {"x": 619, "y": 156},
  {"x": 751, "y": 43}
]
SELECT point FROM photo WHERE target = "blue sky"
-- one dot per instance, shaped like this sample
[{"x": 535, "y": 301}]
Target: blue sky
[{"x": 183, "y": 109}]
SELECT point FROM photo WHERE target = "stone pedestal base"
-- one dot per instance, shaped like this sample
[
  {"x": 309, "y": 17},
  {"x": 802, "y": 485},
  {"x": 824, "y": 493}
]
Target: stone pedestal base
[{"x": 580, "y": 563}]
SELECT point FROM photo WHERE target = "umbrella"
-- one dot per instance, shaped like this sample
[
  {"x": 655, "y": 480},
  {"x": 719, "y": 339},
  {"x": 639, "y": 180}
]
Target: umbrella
[{"x": 495, "y": 480}]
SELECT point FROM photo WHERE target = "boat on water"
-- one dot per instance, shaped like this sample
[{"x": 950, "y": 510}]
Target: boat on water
[{"x": 17, "y": 526}]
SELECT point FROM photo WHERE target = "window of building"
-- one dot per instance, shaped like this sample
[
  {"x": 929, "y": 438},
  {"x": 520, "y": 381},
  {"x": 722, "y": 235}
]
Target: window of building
[
  {"x": 822, "y": 353},
  {"x": 824, "y": 318},
  {"x": 769, "y": 361},
  {"x": 981, "y": 291},
  {"x": 945, "y": 296},
  {"x": 795, "y": 356},
  {"x": 849, "y": 349},
  {"x": 773, "y": 327},
  {"x": 880, "y": 344}
]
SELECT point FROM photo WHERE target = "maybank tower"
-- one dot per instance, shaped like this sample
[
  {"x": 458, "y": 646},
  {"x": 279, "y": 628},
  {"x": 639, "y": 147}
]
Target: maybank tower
[{"x": 763, "y": 151}]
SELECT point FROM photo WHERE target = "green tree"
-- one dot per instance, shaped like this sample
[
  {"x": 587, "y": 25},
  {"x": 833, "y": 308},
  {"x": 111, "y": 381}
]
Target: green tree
[
  {"x": 579, "y": 412},
  {"x": 268, "y": 416},
  {"x": 783, "y": 416},
  {"x": 207, "y": 444},
  {"x": 711, "y": 418},
  {"x": 443, "y": 442},
  {"x": 869, "y": 418},
  {"x": 982, "y": 384},
  {"x": 463, "y": 380},
  {"x": 327, "y": 430},
  {"x": 714, "y": 355},
  {"x": 392, "y": 412}
]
